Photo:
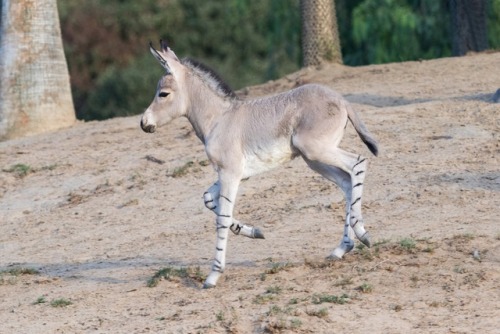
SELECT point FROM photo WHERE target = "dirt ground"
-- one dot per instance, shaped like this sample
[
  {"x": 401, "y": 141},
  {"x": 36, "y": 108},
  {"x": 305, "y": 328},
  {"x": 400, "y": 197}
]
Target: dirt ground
[{"x": 91, "y": 214}]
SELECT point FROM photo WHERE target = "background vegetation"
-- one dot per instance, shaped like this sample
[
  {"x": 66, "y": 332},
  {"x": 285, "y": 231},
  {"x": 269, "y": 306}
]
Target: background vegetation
[{"x": 247, "y": 41}]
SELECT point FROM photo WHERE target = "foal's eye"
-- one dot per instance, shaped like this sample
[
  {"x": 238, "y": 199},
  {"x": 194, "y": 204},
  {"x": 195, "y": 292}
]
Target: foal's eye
[{"x": 163, "y": 94}]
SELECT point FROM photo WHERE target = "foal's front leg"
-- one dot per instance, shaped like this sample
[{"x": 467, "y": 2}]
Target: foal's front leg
[
  {"x": 227, "y": 196},
  {"x": 211, "y": 198}
]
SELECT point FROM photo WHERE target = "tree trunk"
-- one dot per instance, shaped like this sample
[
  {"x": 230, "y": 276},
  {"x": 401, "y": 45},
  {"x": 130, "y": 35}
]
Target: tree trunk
[
  {"x": 35, "y": 94},
  {"x": 469, "y": 26},
  {"x": 320, "y": 34}
]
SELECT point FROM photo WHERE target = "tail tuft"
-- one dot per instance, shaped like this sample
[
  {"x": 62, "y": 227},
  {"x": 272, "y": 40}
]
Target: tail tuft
[{"x": 371, "y": 144}]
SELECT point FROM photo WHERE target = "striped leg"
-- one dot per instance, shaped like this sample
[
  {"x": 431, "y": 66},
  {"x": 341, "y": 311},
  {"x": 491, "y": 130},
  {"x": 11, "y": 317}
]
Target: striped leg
[
  {"x": 342, "y": 179},
  {"x": 211, "y": 198},
  {"x": 228, "y": 190},
  {"x": 356, "y": 218},
  {"x": 347, "y": 171}
]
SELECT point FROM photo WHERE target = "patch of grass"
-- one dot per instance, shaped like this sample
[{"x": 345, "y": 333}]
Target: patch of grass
[
  {"x": 279, "y": 319},
  {"x": 281, "y": 324},
  {"x": 19, "y": 271},
  {"x": 40, "y": 300},
  {"x": 270, "y": 294},
  {"x": 295, "y": 323},
  {"x": 468, "y": 236},
  {"x": 428, "y": 249},
  {"x": 20, "y": 170},
  {"x": 408, "y": 244},
  {"x": 182, "y": 170},
  {"x": 131, "y": 202},
  {"x": 9, "y": 276},
  {"x": 263, "y": 299},
  {"x": 321, "y": 313},
  {"x": 464, "y": 237},
  {"x": 220, "y": 316},
  {"x": 11, "y": 280},
  {"x": 61, "y": 302},
  {"x": 169, "y": 273},
  {"x": 274, "y": 289},
  {"x": 365, "y": 288},
  {"x": 49, "y": 167},
  {"x": 344, "y": 281},
  {"x": 274, "y": 310},
  {"x": 137, "y": 181},
  {"x": 365, "y": 252},
  {"x": 381, "y": 242},
  {"x": 277, "y": 267},
  {"x": 319, "y": 299}
]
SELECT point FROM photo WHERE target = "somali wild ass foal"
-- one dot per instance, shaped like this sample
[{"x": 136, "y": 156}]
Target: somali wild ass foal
[{"x": 246, "y": 137}]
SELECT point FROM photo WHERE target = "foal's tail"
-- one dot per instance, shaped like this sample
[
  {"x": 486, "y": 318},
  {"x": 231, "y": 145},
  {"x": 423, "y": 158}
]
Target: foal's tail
[{"x": 362, "y": 131}]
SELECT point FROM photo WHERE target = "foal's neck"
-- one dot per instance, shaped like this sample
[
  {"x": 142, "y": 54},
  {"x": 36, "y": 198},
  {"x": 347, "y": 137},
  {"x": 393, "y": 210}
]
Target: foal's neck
[{"x": 206, "y": 106}]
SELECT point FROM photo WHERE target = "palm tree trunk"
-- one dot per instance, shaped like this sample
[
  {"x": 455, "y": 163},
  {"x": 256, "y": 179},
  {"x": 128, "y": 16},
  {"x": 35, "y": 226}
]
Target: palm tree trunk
[
  {"x": 35, "y": 94},
  {"x": 320, "y": 34},
  {"x": 469, "y": 26}
]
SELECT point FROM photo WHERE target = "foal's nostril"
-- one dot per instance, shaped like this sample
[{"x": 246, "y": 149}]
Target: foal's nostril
[{"x": 150, "y": 128}]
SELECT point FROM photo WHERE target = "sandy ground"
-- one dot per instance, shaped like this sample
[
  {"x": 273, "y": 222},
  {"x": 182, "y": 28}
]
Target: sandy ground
[{"x": 95, "y": 211}]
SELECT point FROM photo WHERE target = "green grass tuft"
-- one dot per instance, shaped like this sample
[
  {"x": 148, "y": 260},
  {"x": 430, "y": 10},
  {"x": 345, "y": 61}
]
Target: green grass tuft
[
  {"x": 408, "y": 244},
  {"x": 21, "y": 170},
  {"x": 319, "y": 299},
  {"x": 61, "y": 302},
  {"x": 40, "y": 300},
  {"x": 365, "y": 288},
  {"x": 169, "y": 273},
  {"x": 19, "y": 271}
]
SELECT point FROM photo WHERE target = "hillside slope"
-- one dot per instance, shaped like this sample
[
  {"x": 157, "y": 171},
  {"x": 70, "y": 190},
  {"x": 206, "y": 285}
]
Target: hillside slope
[{"x": 99, "y": 208}]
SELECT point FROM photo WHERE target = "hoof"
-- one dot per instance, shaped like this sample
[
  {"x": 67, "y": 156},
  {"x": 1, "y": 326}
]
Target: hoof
[
  {"x": 257, "y": 234},
  {"x": 333, "y": 257},
  {"x": 365, "y": 239},
  {"x": 208, "y": 286}
]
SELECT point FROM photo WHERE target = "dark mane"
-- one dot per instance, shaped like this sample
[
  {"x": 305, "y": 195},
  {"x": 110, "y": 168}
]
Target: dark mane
[{"x": 208, "y": 74}]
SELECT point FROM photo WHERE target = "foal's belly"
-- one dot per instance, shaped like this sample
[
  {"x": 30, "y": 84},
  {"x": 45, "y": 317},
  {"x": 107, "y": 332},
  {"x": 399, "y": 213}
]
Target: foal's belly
[{"x": 263, "y": 159}]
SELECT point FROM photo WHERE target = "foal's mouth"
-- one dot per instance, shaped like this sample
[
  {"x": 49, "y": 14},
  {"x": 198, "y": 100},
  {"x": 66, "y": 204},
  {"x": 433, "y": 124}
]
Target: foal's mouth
[{"x": 149, "y": 128}]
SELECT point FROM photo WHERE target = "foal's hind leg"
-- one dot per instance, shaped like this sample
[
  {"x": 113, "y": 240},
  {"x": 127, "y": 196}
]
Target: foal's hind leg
[
  {"x": 342, "y": 179},
  {"x": 211, "y": 198},
  {"x": 358, "y": 176},
  {"x": 347, "y": 171},
  {"x": 354, "y": 167}
]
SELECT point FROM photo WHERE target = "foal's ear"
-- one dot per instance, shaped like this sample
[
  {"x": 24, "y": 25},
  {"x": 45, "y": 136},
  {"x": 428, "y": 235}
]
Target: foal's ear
[
  {"x": 166, "y": 50},
  {"x": 159, "y": 57}
]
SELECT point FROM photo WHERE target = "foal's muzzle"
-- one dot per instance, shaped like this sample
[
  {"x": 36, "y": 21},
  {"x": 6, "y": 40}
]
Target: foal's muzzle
[{"x": 149, "y": 128}]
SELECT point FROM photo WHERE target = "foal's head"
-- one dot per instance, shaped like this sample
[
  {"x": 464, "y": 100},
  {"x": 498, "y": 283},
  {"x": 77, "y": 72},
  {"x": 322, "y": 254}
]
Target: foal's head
[{"x": 171, "y": 99}]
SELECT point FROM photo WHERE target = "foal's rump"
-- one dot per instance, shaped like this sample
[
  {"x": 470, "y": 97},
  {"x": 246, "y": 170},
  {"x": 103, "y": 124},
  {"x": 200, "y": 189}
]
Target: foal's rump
[{"x": 333, "y": 110}]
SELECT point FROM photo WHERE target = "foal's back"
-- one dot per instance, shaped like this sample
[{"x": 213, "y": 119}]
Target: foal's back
[{"x": 283, "y": 114}]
